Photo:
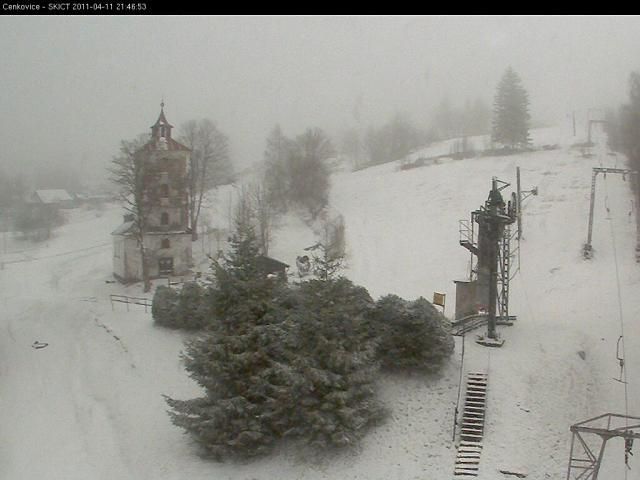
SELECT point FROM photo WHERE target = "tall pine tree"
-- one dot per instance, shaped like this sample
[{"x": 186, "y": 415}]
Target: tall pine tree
[
  {"x": 511, "y": 112},
  {"x": 241, "y": 363}
]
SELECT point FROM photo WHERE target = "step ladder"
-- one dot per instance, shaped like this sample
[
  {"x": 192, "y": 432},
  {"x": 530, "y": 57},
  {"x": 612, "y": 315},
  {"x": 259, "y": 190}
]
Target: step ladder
[{"x": 472, "y": 426}]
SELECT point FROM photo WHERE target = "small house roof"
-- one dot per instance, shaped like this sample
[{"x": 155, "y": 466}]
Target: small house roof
[
  {"x": 53, "y": 196},
  {"x": 270, "y": 265}
]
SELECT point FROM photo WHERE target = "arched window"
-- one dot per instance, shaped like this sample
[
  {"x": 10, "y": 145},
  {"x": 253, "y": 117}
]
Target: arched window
[
  {"x": 164, "y": 218},
  {"x": 166, "y": 243},
  {"x": 164, "y": 190}
]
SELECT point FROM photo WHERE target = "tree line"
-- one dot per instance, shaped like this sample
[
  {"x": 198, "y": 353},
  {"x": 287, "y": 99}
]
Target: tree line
[{"x": 508, "y": 124}]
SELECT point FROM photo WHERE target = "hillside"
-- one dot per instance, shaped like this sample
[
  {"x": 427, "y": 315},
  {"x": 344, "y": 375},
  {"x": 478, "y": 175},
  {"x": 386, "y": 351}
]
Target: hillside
[{"x": 89, "y": 405}]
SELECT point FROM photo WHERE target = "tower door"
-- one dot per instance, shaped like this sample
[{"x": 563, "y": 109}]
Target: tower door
[{"x": 165, "y": 266}]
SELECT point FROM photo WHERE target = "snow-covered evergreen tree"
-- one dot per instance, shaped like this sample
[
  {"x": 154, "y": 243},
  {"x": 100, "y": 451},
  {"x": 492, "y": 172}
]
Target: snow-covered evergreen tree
[
  {"x": 241, "y": 363},
  {"x": 338, "y": 402},
  {"x": 298, "y": 363},
  {"x": 511, "y": 117}
]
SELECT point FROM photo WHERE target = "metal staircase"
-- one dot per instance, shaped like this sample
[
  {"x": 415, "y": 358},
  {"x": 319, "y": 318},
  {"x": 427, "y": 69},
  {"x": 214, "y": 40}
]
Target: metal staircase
[
  {"x": 472, "y": 426},
  {"x": 467, "y": 234}
]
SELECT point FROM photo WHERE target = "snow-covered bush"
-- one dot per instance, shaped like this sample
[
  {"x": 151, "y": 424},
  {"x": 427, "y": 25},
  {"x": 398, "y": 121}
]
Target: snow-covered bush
[
  {"x": 187, "y": 309},
  {"x": 412, "y": 334},
  {"x": 192, "y": 310},
  {"x": 164, "y": 305}
]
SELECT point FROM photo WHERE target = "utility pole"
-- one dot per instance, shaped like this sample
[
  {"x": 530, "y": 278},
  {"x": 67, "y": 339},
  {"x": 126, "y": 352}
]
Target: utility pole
[
  {"x": 521, "y": 196},
  {"x": 519, "y": 193}
]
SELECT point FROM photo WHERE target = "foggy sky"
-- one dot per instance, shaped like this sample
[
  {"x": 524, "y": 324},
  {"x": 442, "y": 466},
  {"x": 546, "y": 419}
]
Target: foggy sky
[{"x": 73, "y": 87}]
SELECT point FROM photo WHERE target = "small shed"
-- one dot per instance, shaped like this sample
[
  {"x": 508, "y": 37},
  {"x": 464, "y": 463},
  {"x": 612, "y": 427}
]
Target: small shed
[{"x": 271, "y": 266}]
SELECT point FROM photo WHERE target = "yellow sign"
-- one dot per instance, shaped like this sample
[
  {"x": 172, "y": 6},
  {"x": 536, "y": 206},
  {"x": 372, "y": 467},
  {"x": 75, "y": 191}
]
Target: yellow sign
[{"x": 438, "y": 299}]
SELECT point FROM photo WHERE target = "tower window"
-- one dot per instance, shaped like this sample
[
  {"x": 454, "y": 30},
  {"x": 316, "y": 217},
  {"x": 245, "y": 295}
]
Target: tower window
[
  {"x": 164, "y": 190},
  {"x": 165, "y": 243},
  {"x": 164, "y": 218}
]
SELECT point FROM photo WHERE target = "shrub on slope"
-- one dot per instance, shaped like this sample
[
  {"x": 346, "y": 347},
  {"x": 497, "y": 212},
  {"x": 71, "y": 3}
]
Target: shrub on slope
[
  {"x": 412, "y": 334},
  {"x": 187, "y": 309}
]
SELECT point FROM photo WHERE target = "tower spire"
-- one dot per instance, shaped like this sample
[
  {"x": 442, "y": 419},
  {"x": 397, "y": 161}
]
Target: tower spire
[{"x": 162, "y": 127}]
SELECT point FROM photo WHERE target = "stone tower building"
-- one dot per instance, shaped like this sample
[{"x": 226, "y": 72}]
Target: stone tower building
[{"x": 167, "y": 236}]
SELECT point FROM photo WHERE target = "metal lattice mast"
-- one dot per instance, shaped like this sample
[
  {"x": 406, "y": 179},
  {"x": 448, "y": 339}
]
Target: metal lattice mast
[{"x": 504, "y": 274}]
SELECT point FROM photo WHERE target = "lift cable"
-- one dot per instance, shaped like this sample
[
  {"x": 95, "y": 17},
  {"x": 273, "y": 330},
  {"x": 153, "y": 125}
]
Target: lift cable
[{"x": 623, "y": 373}]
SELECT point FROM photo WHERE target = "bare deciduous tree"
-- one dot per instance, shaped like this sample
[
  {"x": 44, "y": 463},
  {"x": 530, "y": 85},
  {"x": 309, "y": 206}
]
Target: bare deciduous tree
[
  {"x": 127, "y": 173},
  {"x": 264, "y": 215},
  {"x": 296, "y": 172},
  {"x": 308, "y": 171},
  {"x": 276, "y": 179},
  {"x": 209, "y": 164}
]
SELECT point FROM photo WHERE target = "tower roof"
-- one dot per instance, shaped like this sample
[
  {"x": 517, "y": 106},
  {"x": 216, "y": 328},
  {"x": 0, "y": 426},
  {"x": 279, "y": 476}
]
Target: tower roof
[
  {"x": 162, "y": 120},
  {"x": 161, "y": 135}
]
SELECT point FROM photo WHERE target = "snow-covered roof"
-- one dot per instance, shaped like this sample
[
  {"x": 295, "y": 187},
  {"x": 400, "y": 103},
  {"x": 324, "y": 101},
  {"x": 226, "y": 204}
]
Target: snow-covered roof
[
  {"x": 167, "y": 144},
  {"x": 125, "y": 228},
  {"x": 53, "y": 196}
]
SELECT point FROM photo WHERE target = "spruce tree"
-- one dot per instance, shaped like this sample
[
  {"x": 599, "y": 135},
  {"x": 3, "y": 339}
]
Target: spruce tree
[
  {"x": 242, "y": 363},
  {"x": 337, "y": 402},
  {"x": 510, "y": 112}
]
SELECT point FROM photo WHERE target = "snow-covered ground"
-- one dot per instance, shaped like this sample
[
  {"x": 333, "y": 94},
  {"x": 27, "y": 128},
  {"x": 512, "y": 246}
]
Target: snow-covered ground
[{"x": 90, "y": 406}]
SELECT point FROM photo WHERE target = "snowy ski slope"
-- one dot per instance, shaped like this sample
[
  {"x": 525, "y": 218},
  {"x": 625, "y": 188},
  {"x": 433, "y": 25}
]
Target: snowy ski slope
[{"x": 89, "y": 405}]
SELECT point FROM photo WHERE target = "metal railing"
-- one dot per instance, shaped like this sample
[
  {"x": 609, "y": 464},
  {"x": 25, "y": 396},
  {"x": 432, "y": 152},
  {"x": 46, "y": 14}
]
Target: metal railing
[{"x": 146, "y": 302}]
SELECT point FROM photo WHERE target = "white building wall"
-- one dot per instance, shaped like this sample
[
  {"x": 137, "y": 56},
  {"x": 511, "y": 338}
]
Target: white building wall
[
  {"x": 179, "y": 249},
  {"x": 127, "y": 264},
  {"x": 119, "y": 259}
]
